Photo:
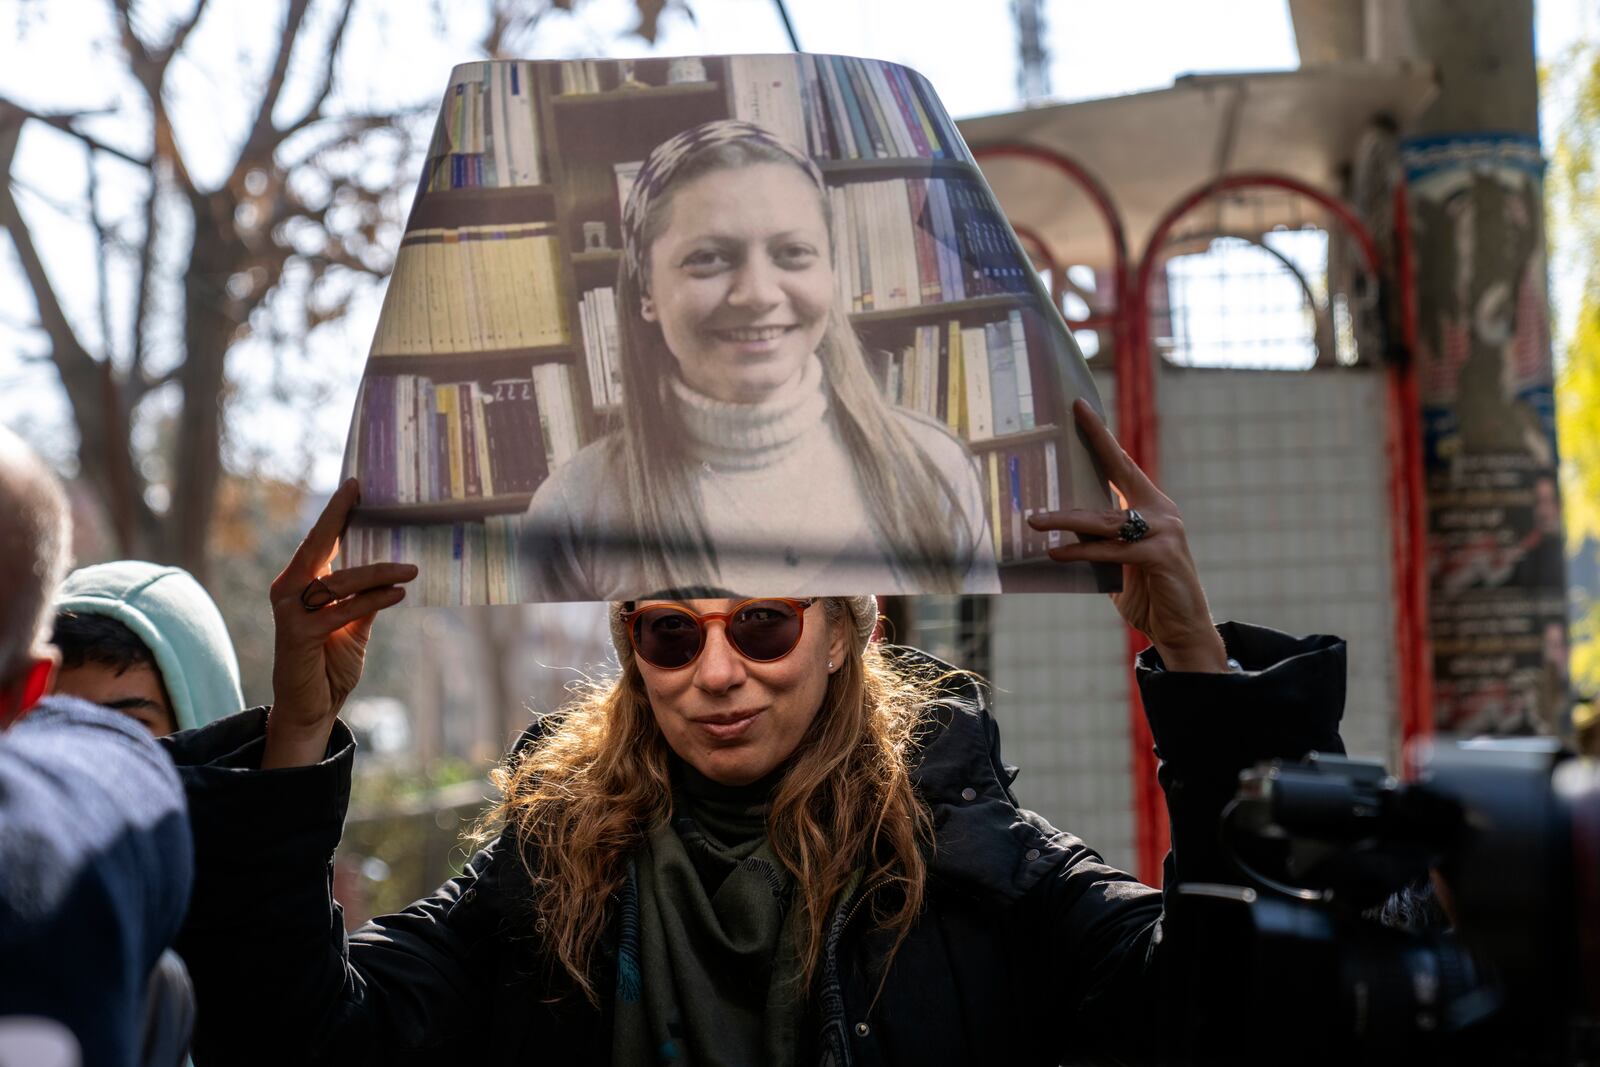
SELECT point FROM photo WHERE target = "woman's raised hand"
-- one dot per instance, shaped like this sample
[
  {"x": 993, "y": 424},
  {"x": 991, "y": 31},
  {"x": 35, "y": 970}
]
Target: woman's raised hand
[
  {"x": 1161, "y": 593},
  {"x": 319, "y": 649}
]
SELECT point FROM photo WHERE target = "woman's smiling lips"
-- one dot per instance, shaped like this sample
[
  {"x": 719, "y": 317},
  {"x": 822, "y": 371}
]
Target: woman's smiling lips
[
  {"x": 754, "y": 337},
  {"x": 728, "y": 726}
]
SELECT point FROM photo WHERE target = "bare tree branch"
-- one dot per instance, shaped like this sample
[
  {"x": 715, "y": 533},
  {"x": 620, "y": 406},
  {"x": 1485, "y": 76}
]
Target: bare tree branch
[
  {"x": 132, "y": 43},
  {"x": 102, "y": 238},
  {"x": 264, "y": 136},
  {"x": 150, "y": 383},
  {"x": 89, "y": 384},
  {"x": 150, "y": 71},
  {"x": 330, "y": 62},
  {"x": 346, "y": 131},
  {"x": 139, "y": 342},
  {"x": 64, "y": 123},
  {"x": 69, "y": 352},
  {"x": 508, "y": 21},
  {"x": 174, "y": 44}
]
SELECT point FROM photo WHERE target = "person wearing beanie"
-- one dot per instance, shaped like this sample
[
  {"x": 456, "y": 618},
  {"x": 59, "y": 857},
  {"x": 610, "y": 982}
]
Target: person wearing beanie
[
  {"x": 770, "y": 838},
  {"x": 146, "y": 640}
]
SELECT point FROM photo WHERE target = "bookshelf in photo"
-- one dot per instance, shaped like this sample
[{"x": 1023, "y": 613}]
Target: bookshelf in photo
[{"x": 501, "y": 320}]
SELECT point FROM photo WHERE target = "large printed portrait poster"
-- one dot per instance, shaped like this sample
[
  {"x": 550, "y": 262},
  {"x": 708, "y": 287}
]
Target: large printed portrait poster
[{"x": 748, "y": 324}]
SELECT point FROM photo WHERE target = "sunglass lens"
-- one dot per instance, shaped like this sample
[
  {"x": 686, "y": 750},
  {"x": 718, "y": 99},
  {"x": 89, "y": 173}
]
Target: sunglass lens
[
  {"x": 765, "y": 629},
  {"x": 666, "y": 637}
]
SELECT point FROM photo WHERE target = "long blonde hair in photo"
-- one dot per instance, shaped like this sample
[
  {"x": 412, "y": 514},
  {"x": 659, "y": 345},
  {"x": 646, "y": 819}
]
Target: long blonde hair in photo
[{"x": 912, "y": 502}]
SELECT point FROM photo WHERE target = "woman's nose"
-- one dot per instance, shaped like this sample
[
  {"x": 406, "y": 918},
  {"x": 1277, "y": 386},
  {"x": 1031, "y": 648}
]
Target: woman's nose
[
  {"x": 755, "y": 284},
  {"x": 719, "y": 667}
]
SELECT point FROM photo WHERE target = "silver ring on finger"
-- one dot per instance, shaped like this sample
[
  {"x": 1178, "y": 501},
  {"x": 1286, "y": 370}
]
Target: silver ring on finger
[
  {"x": 316, "y": 595},
  {"x": 1134, "y": 528}
]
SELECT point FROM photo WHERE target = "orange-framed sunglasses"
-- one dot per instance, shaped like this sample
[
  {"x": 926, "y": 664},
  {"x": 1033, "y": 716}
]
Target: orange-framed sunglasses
[{"x": 671, "y": 637}]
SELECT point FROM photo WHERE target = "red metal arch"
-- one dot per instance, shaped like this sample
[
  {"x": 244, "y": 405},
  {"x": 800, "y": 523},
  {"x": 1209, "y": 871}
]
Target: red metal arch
[
  {"x": 1134, "y": 412},
  {"x": 1031, "y": 239},
  {"x": 1138, "y": 430}
]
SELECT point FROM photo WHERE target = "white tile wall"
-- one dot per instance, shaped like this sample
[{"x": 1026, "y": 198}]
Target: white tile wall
[{"x": 1282, "y": 479}]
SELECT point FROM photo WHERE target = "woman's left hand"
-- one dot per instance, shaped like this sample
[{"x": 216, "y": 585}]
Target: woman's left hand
[{"x": 1161, "y": 593}]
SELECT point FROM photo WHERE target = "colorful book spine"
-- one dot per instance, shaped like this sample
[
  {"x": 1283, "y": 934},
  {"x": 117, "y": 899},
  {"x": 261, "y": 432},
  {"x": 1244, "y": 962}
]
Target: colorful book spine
[
  {"x": 1020, "y": 482},
  {"x": 860, "y": 137},
  {"x": 422, "y": 442},
  {"x": 1003, "y": 389},
  {"x": 866, "y": 100},
  {"x": 1024, "y": 371},
  {"x": 844, "y": 136},
  {"x": 895, "y": 134},
  {"x": 978, "y": 423},
  {"x": 917, "y": 143},
  {"x": 488, "y": 132},
  {"x": 903, "y": 242}
]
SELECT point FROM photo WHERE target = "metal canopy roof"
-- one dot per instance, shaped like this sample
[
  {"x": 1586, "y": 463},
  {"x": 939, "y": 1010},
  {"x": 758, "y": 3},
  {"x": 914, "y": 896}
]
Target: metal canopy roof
[{"x": 1151, "y": 149}]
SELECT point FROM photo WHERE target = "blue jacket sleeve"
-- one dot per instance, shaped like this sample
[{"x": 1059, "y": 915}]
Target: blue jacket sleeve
[{"x": 95, "y": 871}]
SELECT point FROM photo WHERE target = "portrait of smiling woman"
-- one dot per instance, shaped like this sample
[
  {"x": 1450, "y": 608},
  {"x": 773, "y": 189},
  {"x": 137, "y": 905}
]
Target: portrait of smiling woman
[{"x": 755, "y": 450}]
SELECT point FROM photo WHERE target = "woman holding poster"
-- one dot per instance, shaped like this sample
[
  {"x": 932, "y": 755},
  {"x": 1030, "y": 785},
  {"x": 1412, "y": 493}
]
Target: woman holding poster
[
  {"x": 755, "y": 450},
  {"x": 768, "y": 838}
]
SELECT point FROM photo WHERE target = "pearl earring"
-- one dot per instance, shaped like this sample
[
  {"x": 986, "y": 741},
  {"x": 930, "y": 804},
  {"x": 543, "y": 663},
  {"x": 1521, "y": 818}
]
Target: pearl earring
[{"x": 830, "y": 664}]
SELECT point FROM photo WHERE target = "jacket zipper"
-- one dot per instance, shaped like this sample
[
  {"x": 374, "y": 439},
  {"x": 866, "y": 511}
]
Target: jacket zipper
[{"x": 859, "y": 901}]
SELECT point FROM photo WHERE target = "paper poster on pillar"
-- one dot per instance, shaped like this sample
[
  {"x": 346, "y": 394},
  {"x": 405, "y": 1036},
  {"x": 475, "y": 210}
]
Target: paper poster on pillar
[
  {"x": 1497, "y": 583},
  {"x": 738, "y": 324}
]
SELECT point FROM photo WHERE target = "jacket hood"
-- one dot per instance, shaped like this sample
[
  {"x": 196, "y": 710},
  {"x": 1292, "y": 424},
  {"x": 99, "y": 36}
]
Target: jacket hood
[{"x": 177, "y": 620}]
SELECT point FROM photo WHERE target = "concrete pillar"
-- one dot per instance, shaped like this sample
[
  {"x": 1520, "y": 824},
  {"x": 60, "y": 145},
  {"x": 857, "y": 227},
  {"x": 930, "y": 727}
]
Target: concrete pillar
[{"x": 1497, "y": 587}]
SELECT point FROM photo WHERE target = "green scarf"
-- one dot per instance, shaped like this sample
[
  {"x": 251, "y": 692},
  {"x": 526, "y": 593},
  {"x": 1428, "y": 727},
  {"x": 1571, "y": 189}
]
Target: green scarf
[{"x": 714, "y": 979}]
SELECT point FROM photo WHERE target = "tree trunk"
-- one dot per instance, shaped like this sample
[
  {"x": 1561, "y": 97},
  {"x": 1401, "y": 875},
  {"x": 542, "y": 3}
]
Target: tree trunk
[{"x": 207, "y": 332}]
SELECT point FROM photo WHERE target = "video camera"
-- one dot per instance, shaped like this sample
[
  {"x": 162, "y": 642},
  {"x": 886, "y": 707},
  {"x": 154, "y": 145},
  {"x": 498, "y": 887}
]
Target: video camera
[{"x": 1453, "y": 919}]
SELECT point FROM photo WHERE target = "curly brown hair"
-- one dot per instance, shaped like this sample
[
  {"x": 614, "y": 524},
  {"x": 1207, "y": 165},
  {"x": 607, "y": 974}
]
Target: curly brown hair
[{"x": 584, "y": 798}]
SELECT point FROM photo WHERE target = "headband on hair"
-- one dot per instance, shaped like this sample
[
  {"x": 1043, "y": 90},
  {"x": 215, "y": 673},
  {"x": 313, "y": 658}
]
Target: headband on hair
[
  {"x": 863, "y": 615},
  {"x": 668, "y": 157}
]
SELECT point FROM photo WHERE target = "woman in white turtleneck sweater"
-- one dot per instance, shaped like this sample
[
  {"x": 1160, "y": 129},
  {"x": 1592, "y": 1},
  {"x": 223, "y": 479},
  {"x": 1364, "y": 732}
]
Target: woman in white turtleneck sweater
[{"x": 755, "y": 452}]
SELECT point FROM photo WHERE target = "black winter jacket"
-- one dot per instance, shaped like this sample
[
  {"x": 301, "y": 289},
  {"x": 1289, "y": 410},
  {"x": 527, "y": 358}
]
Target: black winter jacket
[{"x": 1030, "y": 950}]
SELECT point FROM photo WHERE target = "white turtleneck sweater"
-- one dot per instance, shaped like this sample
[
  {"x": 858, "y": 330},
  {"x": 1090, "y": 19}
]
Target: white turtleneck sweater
[{"x": 780, "y": 496}]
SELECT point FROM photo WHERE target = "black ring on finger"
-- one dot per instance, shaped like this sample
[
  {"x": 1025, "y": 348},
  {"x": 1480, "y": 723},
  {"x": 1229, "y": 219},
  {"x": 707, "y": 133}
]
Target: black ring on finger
[
  {"x": 1134, "y": 529},
  {"x": 316, "y": 595}
]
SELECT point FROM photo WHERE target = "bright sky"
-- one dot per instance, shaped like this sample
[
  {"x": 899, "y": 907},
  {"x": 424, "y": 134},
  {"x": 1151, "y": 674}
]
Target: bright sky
[{"x": 966, "y": 47}]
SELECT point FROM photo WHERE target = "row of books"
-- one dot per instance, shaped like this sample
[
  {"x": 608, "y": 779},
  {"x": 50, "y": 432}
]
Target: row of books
[
  {"x": 487, "y": 135},
  {"x": 580, "y": 76},
  {"x": 1020, "y": 482},
  {"x": 978, "y": 380},
  {"x": 838, "y": 107},
  {"x": 598, "y": 320},
  {"x": 904, "y": 242},
  {"x": 475, "y": 289},
  {"x": 421, "y": 441},
  {"x": 457, "y": 563}
]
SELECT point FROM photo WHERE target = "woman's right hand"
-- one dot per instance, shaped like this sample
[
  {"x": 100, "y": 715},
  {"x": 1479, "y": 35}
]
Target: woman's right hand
[{"x": 318, "y": 654}]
